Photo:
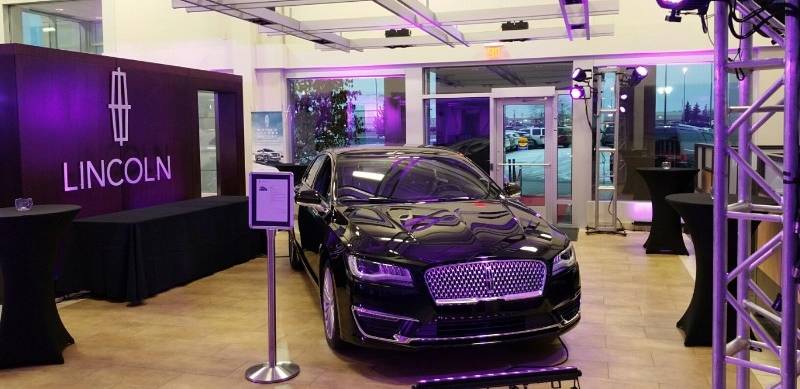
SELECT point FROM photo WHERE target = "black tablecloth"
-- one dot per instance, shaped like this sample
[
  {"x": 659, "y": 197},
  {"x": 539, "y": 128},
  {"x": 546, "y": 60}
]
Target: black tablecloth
[
  {"x": 665, "y": 230},
  {"x": 31, "y": 332},
  {"x": 696, "y": 209},
  {"x": 135, "y": 254}
]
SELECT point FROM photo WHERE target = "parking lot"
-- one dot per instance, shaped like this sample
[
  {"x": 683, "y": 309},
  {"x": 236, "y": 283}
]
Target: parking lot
[{"x": 532, "y": 179}]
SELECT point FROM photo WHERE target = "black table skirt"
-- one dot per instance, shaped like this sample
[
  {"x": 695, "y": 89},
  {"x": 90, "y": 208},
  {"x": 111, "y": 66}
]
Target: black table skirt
[
  {"x": 135, "y": 254},
  {"x": 31, "y": 331},
  {"x": 665, "y": 231},
  {"x": 696, "y": 209}
]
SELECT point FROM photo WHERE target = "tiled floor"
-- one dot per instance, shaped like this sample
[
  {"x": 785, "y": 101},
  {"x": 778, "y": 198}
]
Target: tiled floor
[{"x": 205, "y": 335}]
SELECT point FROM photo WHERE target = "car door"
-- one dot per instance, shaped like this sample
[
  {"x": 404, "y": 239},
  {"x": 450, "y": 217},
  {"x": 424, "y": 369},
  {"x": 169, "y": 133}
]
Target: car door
[
  {"x": 304, "y": 229},
  {"x": 313, "y": 221}
]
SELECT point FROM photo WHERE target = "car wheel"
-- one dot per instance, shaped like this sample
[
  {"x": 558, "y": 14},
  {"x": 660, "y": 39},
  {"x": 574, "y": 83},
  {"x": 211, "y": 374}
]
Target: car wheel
[
  {"x": 330, "y": 310},
  {"x": 294, "y": 256}
]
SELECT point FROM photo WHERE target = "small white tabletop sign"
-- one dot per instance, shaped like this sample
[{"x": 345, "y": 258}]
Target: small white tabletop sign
[{"x": 272, "y": 200}]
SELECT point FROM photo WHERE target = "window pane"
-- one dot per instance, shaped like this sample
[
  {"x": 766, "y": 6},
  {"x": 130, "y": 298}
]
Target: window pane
[
  {"x": 67, "y": 25},
  {"x": 564, "y": 147},
  {"x": 481, "y": 79},
  {"x": 461, "y": 125},
  {"x": 327, "y": 113},
  {"x": 664, "y": 117}
]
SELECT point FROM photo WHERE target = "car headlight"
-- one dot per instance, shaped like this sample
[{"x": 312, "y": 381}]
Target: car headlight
[
  {"x": 565, "y": 259},
  {"x": 365, "y": 270}
]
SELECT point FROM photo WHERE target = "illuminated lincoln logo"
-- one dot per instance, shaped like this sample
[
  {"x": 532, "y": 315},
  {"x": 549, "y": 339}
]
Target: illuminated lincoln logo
[
  {"x": 116, "y": 171},
  {"x": 119, "y": 105}
]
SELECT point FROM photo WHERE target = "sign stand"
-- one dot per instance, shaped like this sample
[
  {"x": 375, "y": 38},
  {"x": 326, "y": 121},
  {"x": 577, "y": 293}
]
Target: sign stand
[{"x": 271, "y": 208}]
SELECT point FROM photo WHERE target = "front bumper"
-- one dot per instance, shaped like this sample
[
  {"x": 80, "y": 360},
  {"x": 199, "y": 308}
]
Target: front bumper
[{"x": 386, "y": 316}]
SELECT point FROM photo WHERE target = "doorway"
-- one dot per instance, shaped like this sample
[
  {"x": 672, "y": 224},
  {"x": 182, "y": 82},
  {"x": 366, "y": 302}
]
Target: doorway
[{"x": 532, "y": 150}]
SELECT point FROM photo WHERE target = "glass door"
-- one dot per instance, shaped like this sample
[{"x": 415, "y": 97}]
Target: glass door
[{"x": 526, "y": 129}]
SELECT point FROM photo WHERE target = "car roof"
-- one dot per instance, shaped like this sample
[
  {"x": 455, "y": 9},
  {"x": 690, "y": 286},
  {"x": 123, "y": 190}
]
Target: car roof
[{"x": 374, "y": 150}]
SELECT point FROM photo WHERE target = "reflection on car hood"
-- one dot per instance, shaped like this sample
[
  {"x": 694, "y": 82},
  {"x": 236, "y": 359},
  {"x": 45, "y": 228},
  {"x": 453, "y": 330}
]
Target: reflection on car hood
[{"x": 438, "y": 232}]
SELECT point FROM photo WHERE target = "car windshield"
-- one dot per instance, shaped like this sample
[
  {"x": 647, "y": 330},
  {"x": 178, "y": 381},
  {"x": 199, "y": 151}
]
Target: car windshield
[{"x": 410, "y": 178}]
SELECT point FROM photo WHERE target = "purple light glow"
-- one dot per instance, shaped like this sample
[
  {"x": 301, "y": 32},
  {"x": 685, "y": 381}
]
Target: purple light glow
[{"x": 577, "y": 92}]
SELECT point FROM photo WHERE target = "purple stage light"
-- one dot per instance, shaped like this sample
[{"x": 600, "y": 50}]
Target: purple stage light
[
  {"x": 638, "y": 74},
  {"x": 577, "y": 92},
  {"x": 579, "y": 75},
  {"x": 685, "y": 5}
]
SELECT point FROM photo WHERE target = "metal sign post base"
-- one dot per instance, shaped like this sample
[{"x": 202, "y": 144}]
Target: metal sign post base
[{"x": 266, "y": 374}]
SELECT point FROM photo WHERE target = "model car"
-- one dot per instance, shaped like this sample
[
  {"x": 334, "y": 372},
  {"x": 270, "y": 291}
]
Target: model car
[
  {"x": 418, "y": 247},
  {"x": 268, "y": 155}
]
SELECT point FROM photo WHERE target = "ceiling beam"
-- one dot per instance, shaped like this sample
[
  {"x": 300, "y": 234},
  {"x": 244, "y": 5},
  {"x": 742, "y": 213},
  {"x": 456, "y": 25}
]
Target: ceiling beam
[
  {"x": 586, "y": 18},
  {"x": 565, "y": 15},
  {"x": 474, "y": 16},
  {"x": 250, "y": 4},
  {"x": 276, "y": 22},
  {"x": 545, "y": 33},
  {"x": 423, "y": 18}
]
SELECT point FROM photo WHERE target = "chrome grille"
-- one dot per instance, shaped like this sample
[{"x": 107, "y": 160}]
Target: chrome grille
[{"x": 470, "y": 282}]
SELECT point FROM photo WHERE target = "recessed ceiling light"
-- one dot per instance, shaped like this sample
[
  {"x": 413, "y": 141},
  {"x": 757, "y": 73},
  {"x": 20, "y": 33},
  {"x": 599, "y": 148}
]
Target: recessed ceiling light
[
  {"x": 59, "y": 9},
  {"x": 48, "y": 29}
]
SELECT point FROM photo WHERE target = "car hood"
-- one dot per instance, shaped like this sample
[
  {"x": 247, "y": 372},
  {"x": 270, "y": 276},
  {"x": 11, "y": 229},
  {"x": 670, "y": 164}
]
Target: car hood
[{"x": 439, "y": 232}]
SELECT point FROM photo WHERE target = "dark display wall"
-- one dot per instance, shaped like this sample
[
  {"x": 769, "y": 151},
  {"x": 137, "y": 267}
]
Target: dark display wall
[{"x": 57, "y": 137}]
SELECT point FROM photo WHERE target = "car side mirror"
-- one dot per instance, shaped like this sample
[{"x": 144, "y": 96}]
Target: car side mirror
[{"x": 308, "y": 198}]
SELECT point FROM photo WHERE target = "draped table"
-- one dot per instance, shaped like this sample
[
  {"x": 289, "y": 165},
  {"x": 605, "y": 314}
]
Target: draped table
[
  {"x": 135, "y": 254},
  {"x": 665, "y": 231},
  {"x": 31, "y": 332},
  {"x": 696, "y": 209}
]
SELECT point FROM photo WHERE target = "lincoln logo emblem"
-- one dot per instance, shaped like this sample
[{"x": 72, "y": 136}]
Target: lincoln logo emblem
[
  {"x": 488, "y": 278},
  {"x": 115, "y": 172},
  {"x": 119, "y": 105}
]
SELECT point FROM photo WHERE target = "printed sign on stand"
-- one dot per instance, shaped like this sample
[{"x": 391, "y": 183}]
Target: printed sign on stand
[{"x": 272, "y": 200}]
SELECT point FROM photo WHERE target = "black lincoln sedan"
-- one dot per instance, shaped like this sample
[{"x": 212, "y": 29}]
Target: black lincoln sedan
[{"x": 418, "y": 247}]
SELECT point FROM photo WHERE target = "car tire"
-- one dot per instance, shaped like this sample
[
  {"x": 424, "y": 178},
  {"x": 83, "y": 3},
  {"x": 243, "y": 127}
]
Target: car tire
[
  {"x": 294, "y": 256},
  {"x": 330, "y": 309}
]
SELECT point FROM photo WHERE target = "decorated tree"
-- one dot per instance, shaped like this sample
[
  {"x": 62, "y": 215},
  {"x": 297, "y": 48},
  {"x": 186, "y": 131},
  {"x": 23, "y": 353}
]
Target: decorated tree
[{"x": 322, "y": 114}]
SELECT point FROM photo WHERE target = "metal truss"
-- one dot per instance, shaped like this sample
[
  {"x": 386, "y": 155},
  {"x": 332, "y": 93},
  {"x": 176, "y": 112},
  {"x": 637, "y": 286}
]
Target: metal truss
[
  {"x": 736, "y": 289},
  {"x": 606, "y": 155},
  {"x": 440, "y": 28}
]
